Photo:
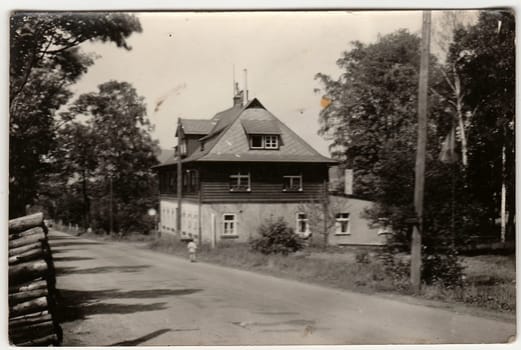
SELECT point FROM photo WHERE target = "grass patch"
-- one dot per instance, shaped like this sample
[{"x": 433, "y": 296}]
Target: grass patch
[{"x": 489, "y": 283}]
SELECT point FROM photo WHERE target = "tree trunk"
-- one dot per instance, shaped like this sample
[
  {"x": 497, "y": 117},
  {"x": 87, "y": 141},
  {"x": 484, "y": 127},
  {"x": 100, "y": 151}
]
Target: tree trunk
[
  {"x": 27, "y": 271},
  {"x": 18, "y": 298},
  {"x": 26, "y": 233},
  {"x": 47, "y": 340},
  {"x": 25, "y": 248},
  {"x": 34, "y": 331},
  {"x": 30, "y": 255},
  {"x": 41, "y": 283},
  {"x": 31, "y": 306},
  {"x": 25, "y": 222},
  {"x": 459, "y": 113},
  {"x": 38, "y": 235},
  {"x": 26, "y": 320}
]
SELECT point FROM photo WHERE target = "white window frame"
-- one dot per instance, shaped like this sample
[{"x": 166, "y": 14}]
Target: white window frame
[
  {"x": 239, "y": 177},
  {"x": 291, "y": 182},
  {"x": 298, "y": 220},
  {"x": 271, "y": 141},
  {"x": 267, "y": 142},
  {"x": 341, "y": 218},
  {"x": 234, "y": 227}
]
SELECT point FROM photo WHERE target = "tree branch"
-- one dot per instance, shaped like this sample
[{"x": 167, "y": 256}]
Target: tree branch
[{"x": 29, "y": 68}]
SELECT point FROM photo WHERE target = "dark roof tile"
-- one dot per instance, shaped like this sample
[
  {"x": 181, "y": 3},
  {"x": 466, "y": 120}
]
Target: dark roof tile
[{"x": 261, "y": 127}]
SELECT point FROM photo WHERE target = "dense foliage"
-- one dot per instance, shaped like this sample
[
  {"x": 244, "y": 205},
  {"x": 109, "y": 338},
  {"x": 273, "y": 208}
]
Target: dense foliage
[
  {"x": 371, "y": 123},
  {"x": 276, "y": 237},
  {"x": 107, "y": 158},
  {"x": 45, "y": 60}
]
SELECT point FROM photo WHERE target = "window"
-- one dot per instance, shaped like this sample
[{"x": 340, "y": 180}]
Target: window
[
  {"x": 292, "y": 183},
  {"x": 264, "y": 141},
  {"x": 229, "y": 225},
  {"x": 342, "y": 224},
  {"x": 384, "y": 226},
  {"x": 271, "y": 142},
  {"x": 182, "y": 148},
  {"x": 302, "y": 224},
  {"x": 172, "y": 183},
  {"x": 240, "y": 182},
  {"x": 256, "y": 141},
  {"x": 194, "y": 179}
]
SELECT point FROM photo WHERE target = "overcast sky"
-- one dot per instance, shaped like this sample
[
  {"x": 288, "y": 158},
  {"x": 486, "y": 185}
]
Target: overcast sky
[{"x": 188, "y": 58}]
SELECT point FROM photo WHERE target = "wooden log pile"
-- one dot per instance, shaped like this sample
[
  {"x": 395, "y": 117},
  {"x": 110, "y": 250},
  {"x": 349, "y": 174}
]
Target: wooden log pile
[{"x": 32, "y": 284}]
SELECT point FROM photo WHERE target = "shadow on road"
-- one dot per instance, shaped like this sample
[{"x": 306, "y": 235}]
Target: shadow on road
[
  {"x": 68, "y": 243},
  {"x": 81, "y": 296},
  {"x": 77, "y": 305},
  {"x": 60, "y": 238},
  {"x": 101, "y": 269},
  {"x": 137, "y": 341},
  {"x": 71, "y": 258}
]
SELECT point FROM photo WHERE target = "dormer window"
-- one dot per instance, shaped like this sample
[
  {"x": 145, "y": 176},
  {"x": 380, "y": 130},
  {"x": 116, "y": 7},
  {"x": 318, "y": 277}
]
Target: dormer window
[
  {"x": 262, "y": 134},
  {"x": 271, "y": 141},
  {"x": 264, "y": 141},
  {"x": 256, "y": 141}
]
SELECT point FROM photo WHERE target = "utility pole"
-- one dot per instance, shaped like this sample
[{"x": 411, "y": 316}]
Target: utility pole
[
  {"x": 179, "y": 181},
  {"x": 110, "y": 206},
  {"x": 503, "y": 196},
  {"x": 419, "y": 183}
]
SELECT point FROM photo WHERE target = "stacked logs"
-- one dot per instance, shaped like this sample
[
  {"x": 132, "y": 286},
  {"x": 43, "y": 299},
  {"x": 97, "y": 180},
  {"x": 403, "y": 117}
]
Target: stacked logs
[{"x": 32, "y": 284}]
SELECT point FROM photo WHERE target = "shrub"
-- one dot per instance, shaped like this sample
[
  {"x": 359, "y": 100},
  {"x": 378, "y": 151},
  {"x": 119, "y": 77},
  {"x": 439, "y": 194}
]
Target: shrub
[
  {"x": 276, "y": 237},
  {"x": 362, "y": 257}
]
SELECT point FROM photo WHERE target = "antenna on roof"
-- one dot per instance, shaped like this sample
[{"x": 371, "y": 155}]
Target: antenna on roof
[
  {"x": 234, "y": 84},
  {"x": 246, "y": 86}
]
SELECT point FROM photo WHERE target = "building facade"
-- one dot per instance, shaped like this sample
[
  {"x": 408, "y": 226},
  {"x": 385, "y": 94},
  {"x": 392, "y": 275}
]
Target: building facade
[
  {"x": 243, "y": 167},
  {"x": 238, "y": 169}
]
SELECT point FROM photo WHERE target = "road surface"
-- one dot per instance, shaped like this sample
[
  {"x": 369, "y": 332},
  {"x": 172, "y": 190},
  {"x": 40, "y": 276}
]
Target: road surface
[{"x": 119, "y": 294}]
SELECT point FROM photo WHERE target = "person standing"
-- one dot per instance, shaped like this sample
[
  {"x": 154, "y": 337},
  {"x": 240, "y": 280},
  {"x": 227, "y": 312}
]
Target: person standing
[{"x": 192, "y": 248}]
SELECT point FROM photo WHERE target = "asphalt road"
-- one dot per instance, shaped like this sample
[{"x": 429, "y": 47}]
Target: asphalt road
[{"x": 120, "y": 294}]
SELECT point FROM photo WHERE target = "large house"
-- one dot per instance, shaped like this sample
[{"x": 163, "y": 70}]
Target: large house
[{"x": 238, "y": 169}]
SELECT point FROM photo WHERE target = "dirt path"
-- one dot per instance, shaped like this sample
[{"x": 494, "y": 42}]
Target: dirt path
[{"x": 118, "y": 294}]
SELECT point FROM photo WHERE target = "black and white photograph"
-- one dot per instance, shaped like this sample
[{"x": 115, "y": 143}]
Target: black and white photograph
[{"x": 269, "y": 177}]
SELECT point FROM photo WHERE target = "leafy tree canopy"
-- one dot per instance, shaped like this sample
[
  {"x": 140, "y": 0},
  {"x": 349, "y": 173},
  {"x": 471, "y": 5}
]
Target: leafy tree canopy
[
  {"x": 112, "y": 145},
  {"x": 45, "y": 60}
]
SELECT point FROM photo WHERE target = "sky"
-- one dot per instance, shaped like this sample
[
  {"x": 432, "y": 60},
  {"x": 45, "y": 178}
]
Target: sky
[{"x": 187, "y": 60}]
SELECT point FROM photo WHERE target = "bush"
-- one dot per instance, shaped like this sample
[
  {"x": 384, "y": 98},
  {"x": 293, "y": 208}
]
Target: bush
[
  {"x": 276, "y": 238},
  {"x": 362, "y": 257},
  {"x": 442, "y": 268}
]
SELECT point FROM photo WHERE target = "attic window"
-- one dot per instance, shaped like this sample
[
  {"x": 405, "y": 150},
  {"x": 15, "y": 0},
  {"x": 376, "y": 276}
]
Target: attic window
[
  {"x": 256, "y": 141},
  {"x": 264, "y": 141}
]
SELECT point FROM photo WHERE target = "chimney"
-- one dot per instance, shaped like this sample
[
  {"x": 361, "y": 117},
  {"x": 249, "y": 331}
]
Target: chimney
[
  {"x": 238, "y": 97},
  {"x": 348, "y": 181},
  {"x": 246, "y": 100}
]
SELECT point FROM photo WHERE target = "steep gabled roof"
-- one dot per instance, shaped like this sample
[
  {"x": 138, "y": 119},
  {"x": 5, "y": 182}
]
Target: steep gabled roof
[
  {"x": 223, "y": 119},
  {"x": 164, "y": 155},
  {"x": 233, "y": 145},
  {"x": 196, "y": 126},
  {"x": 228, "y": 139},
  {"x": 260, "y": 127}
]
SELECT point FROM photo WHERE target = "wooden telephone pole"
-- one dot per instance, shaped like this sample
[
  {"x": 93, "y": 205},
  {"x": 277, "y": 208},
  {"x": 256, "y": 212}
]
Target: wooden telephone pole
[
  {"x": 419, "y": 183},
  {"x": 179, "y": 182}
]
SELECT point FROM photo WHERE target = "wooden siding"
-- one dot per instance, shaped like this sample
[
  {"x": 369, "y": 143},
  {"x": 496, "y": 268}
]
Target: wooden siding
[
  {"x": 260, "y": 192},
  {"x": 266, "y": 183}
]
